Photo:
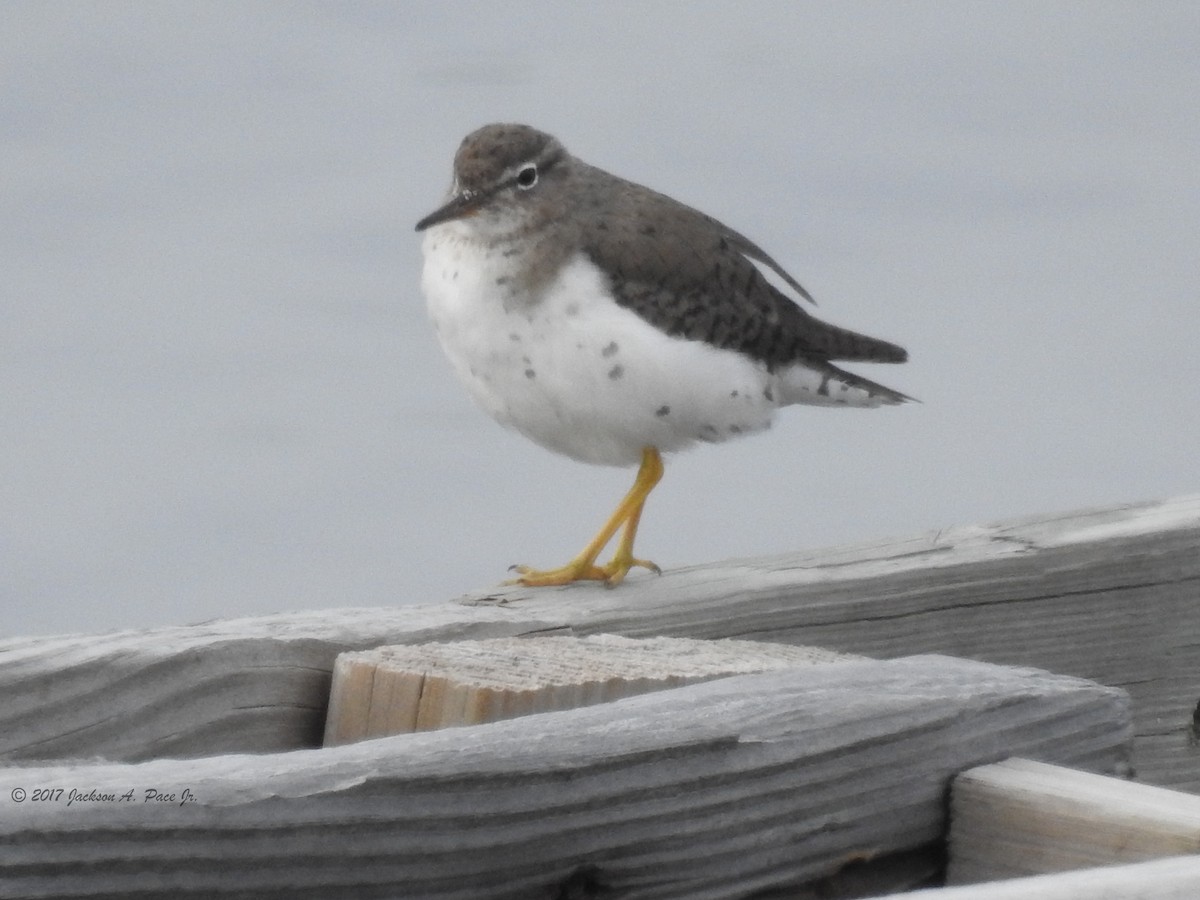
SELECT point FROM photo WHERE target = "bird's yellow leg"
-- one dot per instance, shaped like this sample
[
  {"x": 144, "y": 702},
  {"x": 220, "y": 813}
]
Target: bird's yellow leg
[
  {"x": 628, "y": 513},
  {"x": 624, "y": 560}
]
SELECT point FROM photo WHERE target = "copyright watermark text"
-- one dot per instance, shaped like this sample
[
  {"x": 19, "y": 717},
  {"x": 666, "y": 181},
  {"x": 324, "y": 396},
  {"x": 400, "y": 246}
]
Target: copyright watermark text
[{"x": 79, "y": 796}]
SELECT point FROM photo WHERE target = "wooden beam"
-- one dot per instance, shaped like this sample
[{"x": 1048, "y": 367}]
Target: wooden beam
[
  {"x": 1176, "y": 878},
  {"x": 713, "y": 790},
  {"x": 254, "y": 685},
  {"x": 422, "y": 687},
  {"x": 1021, "y": 817},
  {"x": 1106, "y": 594}
]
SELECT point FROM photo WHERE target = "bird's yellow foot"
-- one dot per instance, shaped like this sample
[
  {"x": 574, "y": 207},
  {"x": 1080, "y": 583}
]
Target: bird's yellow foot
[
  {"x": 575, "y": 570},
  {"x": 612, "y": 573},
  {"x": 615, "y": 572},
  {"x": 617, "y": 568},
  {"x": 625, "y": 518}
]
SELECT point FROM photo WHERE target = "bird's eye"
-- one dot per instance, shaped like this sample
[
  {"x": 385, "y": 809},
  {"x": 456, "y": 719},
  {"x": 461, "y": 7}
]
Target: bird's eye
[{"x": 527, "y": 177}]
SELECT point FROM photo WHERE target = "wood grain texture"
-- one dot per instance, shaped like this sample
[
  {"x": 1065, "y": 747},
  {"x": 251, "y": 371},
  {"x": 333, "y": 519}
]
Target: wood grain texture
[
  {"x": 714, "y": 790},
  {"x": 403, "y": 688},
  {"x": 235, "y": 685},
  {"x": 1176, "y": 878},
  {"x": 1110, "y": 594},
  {"x": 1021, "y": 817}
]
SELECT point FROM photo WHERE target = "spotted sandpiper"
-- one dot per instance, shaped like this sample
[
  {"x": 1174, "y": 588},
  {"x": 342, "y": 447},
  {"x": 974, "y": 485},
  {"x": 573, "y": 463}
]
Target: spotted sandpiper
[{"x": 610, "y": 323}]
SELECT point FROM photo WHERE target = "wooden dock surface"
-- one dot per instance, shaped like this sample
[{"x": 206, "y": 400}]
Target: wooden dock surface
[
  {"x": 1112, "y": 595},
  {"x": 776, "y": 778},
  {"x": 712, "y": 790}
]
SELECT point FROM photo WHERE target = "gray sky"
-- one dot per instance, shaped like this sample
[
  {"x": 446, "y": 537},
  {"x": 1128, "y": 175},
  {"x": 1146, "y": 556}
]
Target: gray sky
[{"x": 220, "y": 395}]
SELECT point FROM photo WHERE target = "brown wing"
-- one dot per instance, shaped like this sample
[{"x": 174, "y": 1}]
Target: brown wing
[{"x": 691, "y": 276}]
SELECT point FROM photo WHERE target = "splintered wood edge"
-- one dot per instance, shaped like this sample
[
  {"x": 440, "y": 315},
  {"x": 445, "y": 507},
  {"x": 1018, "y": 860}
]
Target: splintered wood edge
[
  {"x": 422, "y": 687},
  {"x": 1021, "y": 817}
]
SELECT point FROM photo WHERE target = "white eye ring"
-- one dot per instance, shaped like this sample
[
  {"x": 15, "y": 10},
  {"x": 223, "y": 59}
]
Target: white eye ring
[{"x": 527, "y": 177}]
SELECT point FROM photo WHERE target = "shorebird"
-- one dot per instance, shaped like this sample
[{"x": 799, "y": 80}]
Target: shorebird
[{"x": 610, "y": 323}]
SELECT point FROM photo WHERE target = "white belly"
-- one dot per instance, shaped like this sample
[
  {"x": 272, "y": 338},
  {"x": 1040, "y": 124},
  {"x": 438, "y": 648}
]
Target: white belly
[{"x": 575, "y": 372}]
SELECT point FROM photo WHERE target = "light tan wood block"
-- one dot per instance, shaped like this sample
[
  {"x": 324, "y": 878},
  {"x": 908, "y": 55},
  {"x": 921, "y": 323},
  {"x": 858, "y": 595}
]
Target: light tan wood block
[{"x": 422, "y": 687}]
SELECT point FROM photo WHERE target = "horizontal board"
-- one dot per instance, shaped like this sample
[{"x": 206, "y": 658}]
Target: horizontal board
[
  {"x": 1021, "y": 817},
  {"x": 253, "y": 685},
  {"x": 1107, "y": 594},
  {"x": 1177, "y": 878},
  {"x": 714, "y": 790}
]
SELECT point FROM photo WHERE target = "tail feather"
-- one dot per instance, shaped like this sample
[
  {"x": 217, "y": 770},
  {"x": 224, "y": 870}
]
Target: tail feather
[
  {"x": 818, "y": 383},
  {"x": 835, "y": 342}
]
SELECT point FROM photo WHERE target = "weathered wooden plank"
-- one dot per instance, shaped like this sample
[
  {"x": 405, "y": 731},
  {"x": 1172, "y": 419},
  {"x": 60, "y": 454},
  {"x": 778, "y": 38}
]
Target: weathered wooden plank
[
  {"x": 713, "y": 790},
  {"x": 1021, "y": 817},
  {"x": 399, "y": 689},
  {"x": 235, "y": 685},
  {"x": 1176, "y": 878},
  {"x": 1108, "y": 594}
]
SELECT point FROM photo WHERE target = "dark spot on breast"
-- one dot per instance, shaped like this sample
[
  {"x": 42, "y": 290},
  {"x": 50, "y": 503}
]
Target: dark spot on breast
[
  {"x": 572, "y": 309},
  {"x": 610, "y": 349},
  {"x": 648, "y": 230},
  {"x": 513, "y": 336},
  {"x": 735, "y": 429},
  {"x": 823, "y": 390},
  {"x": 663, "y": 410},
  {"x": 512, "y": 251},
  {"x": 503, "y": 279},
  {"x": 616, "y": 372},
  {"x": 733, "y": 393},
  {"x": 454, "y": 277},
  {"x": 529, "y": 373},
  {"x": 768, "y": 395}
]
